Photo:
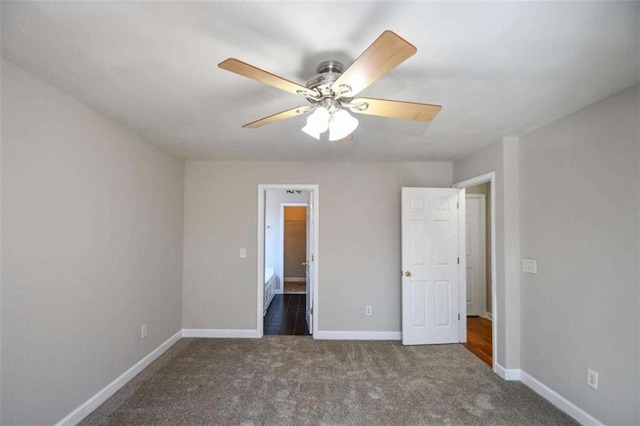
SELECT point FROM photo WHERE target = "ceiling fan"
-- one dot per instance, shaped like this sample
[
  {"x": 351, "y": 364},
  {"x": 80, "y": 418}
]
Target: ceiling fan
[{"x": 333, "y": 91}]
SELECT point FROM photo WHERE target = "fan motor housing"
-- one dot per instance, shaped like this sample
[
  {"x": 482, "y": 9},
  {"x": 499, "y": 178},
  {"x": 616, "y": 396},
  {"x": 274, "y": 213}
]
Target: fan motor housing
[{"x": 327, "y": 73}]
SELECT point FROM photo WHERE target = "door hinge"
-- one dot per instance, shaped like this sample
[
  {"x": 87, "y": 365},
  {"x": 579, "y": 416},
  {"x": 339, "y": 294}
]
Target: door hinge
[
  {"x": 457, "y": 204},
  {"x": 312, "y": 258},
  {"x": 311, "y": 312},
  {"x": 458, "y": 261},
  {"x": 458, "y": 317}
]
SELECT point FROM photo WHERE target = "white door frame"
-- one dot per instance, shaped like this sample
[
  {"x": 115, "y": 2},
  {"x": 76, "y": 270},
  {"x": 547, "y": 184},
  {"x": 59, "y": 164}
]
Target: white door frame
[
  {"x": 315, "y": 196},
  {"x": 482, "y": 257},
  {"x": 281, "y": 249},
  {"x": 491, "y": 178}
]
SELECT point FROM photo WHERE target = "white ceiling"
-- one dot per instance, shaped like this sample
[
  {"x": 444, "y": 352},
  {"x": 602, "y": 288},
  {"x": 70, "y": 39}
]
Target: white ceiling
[{"x": 498, "y": 69}]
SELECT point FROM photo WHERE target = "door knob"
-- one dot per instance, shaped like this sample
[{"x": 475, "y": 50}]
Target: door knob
[
  {"x": 407, "y": 274},
  {"x": 304, "y": 263}
]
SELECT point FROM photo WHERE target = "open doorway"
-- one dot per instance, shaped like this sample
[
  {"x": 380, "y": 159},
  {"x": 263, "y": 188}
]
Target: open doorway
[
  {"x": 293, "y": 232},
  {"x": 478, "y": 271},
  {"x": 287, "y": 259},
  {"x": 480, "y": 267}
]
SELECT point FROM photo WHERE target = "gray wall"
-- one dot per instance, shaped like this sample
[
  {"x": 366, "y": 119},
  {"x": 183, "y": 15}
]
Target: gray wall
[
  {"x": 92, "y": 249},
  {"x": 359, "y": 241},
  {"x": 579, "y": 219},
  {"x": 1, "y": 221}
]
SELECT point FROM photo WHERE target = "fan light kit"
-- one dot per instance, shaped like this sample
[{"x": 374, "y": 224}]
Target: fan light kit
[{"x": 332, "y": 91}]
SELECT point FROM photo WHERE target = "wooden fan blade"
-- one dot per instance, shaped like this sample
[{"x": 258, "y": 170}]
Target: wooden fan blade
[
  {"x": 279, "y": 116},
  {"x": 262, "y": 76},
  {"x": 387, "y": 52},
  {"x": 396, "y": 109}
]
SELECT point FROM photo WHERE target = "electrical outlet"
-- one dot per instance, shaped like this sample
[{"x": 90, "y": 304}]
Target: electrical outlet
[
  {"x": 143, "y": 331},
  {"x": 243, "y": 253},
  {"x": 530, "y": 266},
  {"x": 592, "y": 378},
  {"x": 368, "y": 310}
]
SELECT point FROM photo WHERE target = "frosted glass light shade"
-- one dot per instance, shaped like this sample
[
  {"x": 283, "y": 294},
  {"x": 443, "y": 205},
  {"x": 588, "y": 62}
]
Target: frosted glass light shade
[
  {"x": 317, "y": 122},
  {"x": 311, "y": 131},
  {"x": 342, "y": 125}
]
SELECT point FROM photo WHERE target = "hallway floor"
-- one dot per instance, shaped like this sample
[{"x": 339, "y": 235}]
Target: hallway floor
[
  {"x": 479, "y": 339},
  {"x": 286, "y": 315}
]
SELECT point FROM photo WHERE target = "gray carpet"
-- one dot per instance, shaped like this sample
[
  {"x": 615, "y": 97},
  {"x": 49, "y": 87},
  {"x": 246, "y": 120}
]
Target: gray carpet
[{"x": 297, "y": 380}]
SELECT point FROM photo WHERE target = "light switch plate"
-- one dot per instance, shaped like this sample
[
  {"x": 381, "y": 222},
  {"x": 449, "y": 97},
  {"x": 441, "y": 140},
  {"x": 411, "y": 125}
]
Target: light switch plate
[
  {"x": 243, "y": 252},
  {"x": 530, "y": 266}
]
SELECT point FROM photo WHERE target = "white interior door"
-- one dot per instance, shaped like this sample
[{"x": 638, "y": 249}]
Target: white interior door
[
  {"x": 475, "y": 254},
  {"x": 310, "y": 262},
  {"x": 430, "y": 265}
]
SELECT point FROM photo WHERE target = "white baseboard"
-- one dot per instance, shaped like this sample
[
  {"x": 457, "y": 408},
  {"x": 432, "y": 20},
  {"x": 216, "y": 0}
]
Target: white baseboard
[
  {"x": 221, "y": 333},
  {"x": 547, "y": 393},
  {"x": 358, "y": 335},
  {"x": 99, "y": 398},
  {"x": 295, "y": 280},
  {"x": 487, "y": 315},
  {"x": 558, "y": 400},
  {"x": 507, "y": 373}
]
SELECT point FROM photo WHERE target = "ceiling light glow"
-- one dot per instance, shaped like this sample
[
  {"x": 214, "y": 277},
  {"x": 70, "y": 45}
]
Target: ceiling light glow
[
  {"x": 317, "y": 122},
  {"x": 339, "y": 123},
  {"x": 342, "y": 124}
]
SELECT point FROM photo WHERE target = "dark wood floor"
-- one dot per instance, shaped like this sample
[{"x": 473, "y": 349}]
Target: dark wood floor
[
  {"x": 479, "y": 340},
  {"x": 286, "y": 315}
]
